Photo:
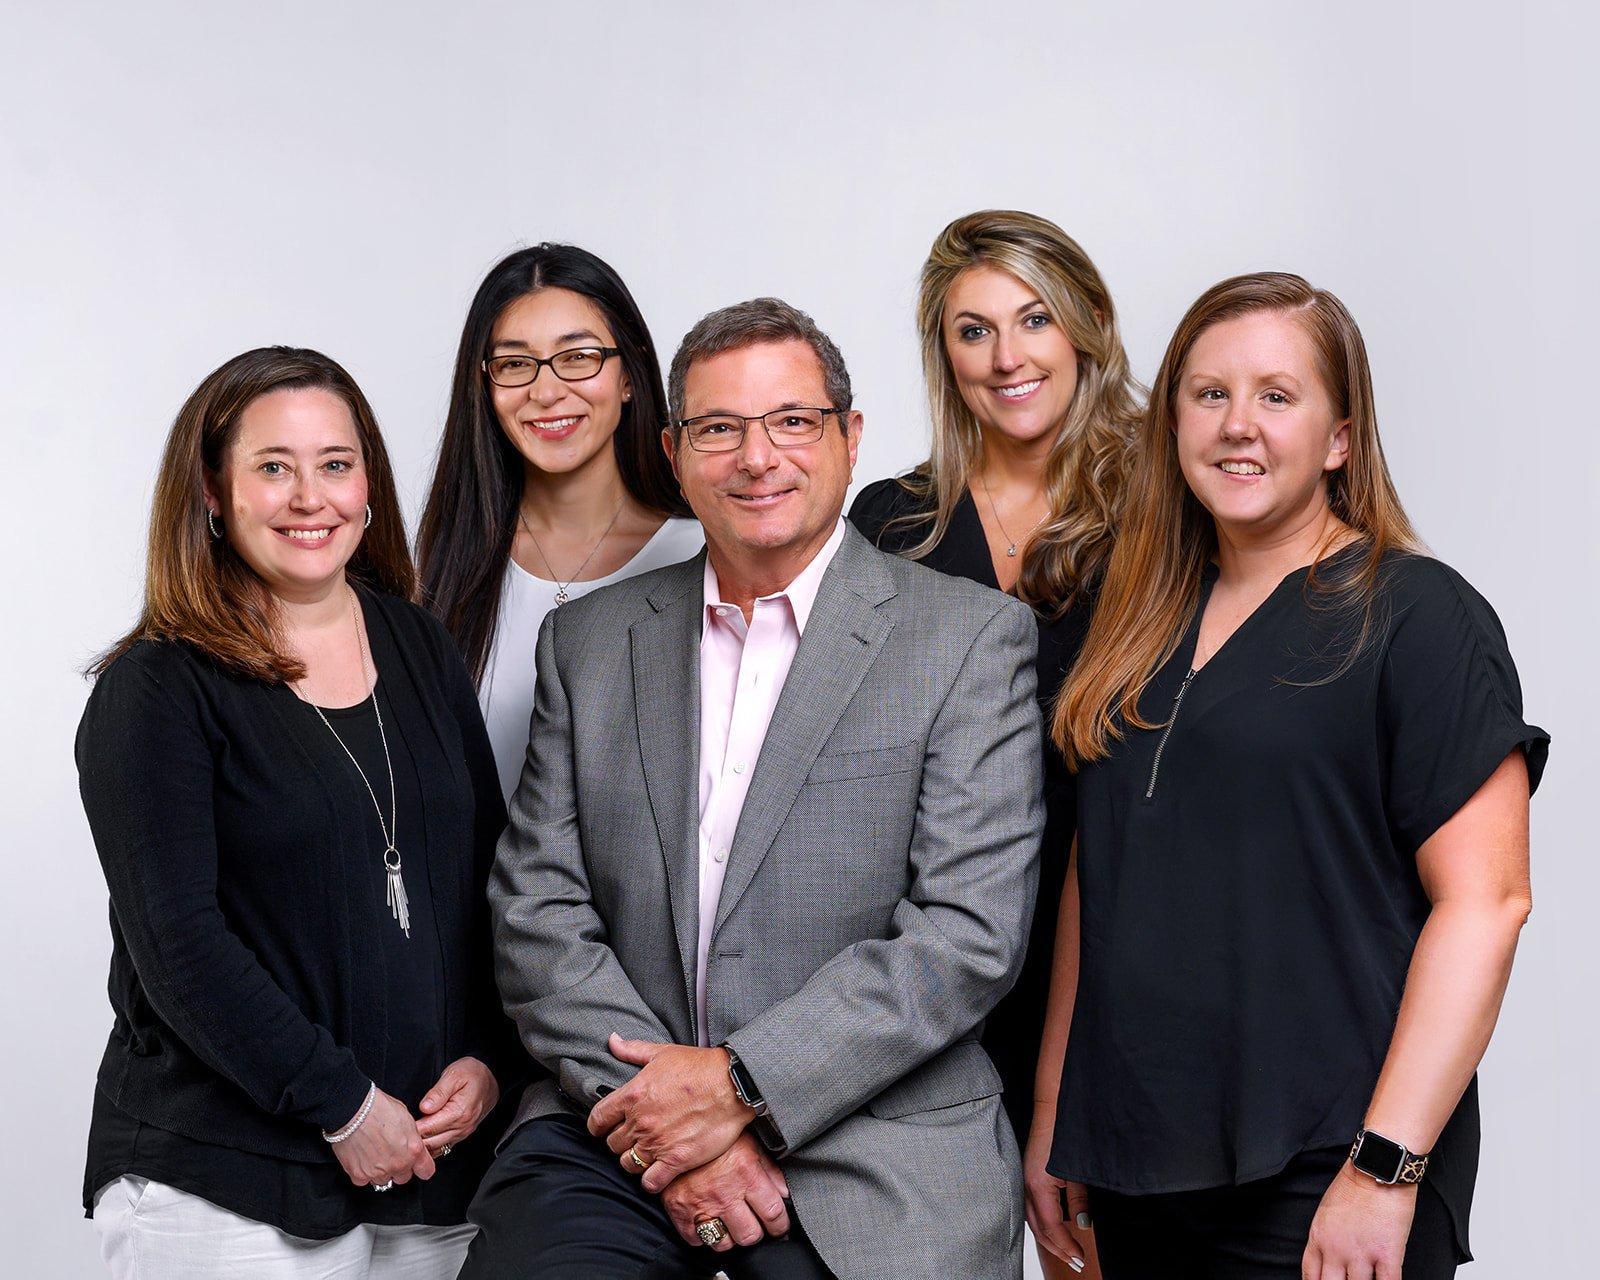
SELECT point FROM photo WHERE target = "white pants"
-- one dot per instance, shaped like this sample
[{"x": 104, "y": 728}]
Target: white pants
[{"x": 150, "y": 1231}]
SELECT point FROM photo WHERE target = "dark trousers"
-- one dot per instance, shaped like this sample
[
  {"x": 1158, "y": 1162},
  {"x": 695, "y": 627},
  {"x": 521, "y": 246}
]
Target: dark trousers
[
  {"x": 1256, "y": 1231},
  {"x": 556, "y": 1202}
]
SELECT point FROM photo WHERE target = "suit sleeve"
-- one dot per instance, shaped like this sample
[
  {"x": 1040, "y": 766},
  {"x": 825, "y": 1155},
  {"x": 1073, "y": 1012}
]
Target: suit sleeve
[
  {"x": 882, "y": 1007},
  {"x": 559, "y": 979},
  {"x": 145, "y": 771}
]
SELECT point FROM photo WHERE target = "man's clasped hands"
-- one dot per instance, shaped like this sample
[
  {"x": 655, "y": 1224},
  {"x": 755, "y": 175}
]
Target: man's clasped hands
[{"x": 682, "y": 1128}]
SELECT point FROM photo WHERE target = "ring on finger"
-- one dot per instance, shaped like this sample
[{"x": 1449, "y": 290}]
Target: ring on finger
[
  {"x": 383, "y": 1186},
  {"x": 712, "y": 1231},
  {"x": 639, "y": 1162},
  {"x": 445, "y": 1150}
]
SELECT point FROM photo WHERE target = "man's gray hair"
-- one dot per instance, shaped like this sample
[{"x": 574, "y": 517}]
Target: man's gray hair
[{"x": 744, "y": 325}]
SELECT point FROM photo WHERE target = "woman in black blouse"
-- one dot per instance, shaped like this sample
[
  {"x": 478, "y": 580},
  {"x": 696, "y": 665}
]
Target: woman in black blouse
[
  {"x": 295, "y": 805},
  {"x": 1303, "y": 781},
  {"x": 1033, "y": 408}
]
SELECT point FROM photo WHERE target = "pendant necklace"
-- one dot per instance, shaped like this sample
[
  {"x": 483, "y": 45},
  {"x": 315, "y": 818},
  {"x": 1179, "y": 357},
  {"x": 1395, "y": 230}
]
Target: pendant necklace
[
  {"x": 561, "y": 587},
  {"x": 399, "y": 905},
  {"x": 1011, "y": 547}
]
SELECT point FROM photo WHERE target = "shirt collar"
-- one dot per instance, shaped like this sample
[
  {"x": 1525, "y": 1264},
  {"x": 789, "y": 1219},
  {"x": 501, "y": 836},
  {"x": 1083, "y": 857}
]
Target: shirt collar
[{"x": 801, "y": 593}]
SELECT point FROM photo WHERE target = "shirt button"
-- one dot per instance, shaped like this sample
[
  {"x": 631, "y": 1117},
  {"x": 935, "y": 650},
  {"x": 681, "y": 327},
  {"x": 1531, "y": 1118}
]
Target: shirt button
[
  {"x": 721, "y": 855},
  {"x": 738, "y": 766}
]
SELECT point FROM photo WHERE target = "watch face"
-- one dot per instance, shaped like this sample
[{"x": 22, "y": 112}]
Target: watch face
[{"x": 1379, "y": 1157}]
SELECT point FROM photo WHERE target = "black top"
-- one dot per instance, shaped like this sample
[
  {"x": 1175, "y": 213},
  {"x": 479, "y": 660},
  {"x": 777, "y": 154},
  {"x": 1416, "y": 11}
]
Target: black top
[
  {"x": 1014, "y": 1030},
  {"x": 258, "y": 978},
  {"x": 1250, "y": 892}
]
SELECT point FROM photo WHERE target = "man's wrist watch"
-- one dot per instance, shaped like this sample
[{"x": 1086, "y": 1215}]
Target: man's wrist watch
[
  {"x": 1385, "y": 1160},
  {"x": 762, "y": 1124},
  {"x": 744, "y": 1084}
]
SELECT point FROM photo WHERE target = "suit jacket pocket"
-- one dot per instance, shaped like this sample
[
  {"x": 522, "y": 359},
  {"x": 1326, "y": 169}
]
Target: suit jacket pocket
[
  {"x": 841, "y": 765},
  {"x": 962, "y": 1073}
]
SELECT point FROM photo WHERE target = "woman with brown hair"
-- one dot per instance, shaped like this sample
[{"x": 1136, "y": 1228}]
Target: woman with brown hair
[
  {"x": 295, "y": 805},
  {"x": 1303, "y": 782},
  {"x": 1033, "y": 409}
]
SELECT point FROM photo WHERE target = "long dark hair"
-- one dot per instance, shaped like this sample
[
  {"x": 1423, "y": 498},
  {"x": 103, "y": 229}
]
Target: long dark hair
[
  {"x": 470, "y": 520},
  {"x": 196, "y": 588}
]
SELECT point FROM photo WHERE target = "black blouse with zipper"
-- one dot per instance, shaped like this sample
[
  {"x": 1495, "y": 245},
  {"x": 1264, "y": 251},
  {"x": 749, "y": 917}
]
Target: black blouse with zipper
[
  {"x": 1014, "y": 1029},
  {"x": 259, "y": 980},
  {"x": 1250, "y": 895}
]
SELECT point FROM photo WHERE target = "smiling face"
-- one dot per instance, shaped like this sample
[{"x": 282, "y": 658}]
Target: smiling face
[
  {"x": 1257, "y": 431},
  {"x": 291, "y": 491},
  {"x": 761, "y": 504},
  {"x": 1013, "y": 363},
  {"x": 558, "y": 427}
]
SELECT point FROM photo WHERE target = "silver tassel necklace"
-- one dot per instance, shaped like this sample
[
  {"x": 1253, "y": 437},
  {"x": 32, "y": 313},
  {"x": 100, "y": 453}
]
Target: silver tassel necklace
[{"x": 399, "y": 906}]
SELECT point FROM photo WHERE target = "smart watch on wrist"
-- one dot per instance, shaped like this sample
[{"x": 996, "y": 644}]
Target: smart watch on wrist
[
  {"x": 762, "y": 1125},
  {"x": 744, "y": 1083},
  {"x": 1385, "y": 1160}
]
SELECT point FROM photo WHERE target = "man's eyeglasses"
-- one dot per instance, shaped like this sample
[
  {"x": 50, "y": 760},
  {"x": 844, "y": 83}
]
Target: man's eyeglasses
[
  {"x": 572, "y": 365},
  {"x": 786, "y": 428}
]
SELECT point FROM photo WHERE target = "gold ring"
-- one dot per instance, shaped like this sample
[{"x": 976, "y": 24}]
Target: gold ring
[
  {"x": 711, "y": 1231},
  {"x": 638, "y": 1162},
  {"x": 445, "y": 1150}
]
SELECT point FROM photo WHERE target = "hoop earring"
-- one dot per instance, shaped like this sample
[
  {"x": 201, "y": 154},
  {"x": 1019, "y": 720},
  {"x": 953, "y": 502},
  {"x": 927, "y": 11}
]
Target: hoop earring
[
  {"x": 211, "y": 523},
  {"x": 368, "y": 523}
]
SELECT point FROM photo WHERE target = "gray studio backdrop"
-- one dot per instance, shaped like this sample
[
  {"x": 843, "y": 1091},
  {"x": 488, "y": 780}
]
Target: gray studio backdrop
[{"x": 181, "y": 182}]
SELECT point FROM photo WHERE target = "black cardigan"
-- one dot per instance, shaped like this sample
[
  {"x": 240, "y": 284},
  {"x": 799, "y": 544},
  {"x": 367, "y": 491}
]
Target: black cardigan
[{"x": 249, "y": 996}]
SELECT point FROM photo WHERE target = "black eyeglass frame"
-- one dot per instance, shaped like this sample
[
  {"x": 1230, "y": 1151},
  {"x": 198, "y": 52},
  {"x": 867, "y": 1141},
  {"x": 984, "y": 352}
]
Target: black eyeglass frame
[
  {"x": 683, "y": 424},
  {"x": 539, "y": 364}
]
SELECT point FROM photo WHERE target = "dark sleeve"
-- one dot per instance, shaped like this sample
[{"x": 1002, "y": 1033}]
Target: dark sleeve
[
  {"x": 145, "y": 771},
  {"x": 876, "y": 510},
  {"x": 491, "y": 1036},
  {"x": 1449, "y": 699}
]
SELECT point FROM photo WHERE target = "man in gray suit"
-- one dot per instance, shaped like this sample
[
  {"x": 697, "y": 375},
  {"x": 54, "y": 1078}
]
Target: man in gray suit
[{"x": 770, "y": 864}]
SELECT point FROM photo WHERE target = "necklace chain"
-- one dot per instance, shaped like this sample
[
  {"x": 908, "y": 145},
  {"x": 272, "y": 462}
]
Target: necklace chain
[
  {"x": 1011, "y": 547},
  {"x": 391, "y": 855},
  {"x": 561, "y": 587}
]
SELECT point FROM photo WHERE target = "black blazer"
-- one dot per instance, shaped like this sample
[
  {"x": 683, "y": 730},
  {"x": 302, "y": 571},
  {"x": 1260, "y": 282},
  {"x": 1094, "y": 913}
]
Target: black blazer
[{"x": 250, "y": 998}]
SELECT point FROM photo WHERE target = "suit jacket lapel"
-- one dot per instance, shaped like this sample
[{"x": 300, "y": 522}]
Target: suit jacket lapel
[
  {"x": 666, "y": 691},
  {"x": 842, "y": 638}
]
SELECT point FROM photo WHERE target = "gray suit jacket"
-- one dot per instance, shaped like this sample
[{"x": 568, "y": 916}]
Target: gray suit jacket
[{"x": 875, "y": 906}]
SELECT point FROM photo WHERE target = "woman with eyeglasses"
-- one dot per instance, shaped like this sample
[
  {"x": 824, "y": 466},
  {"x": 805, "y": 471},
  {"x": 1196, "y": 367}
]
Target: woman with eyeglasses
[
  {"x": 551, "y": 480},
  {"x": 1033, "y": 409},
  {"x": 296, "y": 807}
]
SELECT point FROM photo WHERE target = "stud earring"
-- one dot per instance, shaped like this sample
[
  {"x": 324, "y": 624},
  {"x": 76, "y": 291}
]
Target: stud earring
[{"x": 211, "y": 523}]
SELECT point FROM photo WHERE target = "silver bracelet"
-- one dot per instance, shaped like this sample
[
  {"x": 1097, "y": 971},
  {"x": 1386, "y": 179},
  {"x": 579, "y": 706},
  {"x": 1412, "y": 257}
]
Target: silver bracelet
[{"x": 349, "y": 1129}]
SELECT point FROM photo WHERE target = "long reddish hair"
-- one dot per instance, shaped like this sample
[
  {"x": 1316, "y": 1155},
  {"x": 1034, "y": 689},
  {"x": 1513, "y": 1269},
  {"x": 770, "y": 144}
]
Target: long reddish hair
[
  {"x": 197, "y": 589},
  {"x": 1152, "y": 581}
]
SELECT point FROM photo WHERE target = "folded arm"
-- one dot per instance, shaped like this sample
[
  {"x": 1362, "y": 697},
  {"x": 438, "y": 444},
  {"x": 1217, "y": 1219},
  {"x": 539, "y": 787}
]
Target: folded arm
[
  {"x": 882, "y": 1007},
  {"x": 146, "y": 776},
  {"x": 559, "y": 979}
]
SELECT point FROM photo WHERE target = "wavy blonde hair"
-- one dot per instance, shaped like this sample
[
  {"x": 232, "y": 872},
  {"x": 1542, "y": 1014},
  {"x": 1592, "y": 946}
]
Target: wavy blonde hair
[
  {"x": 1152, "y": 582},
  {"x": 1084, "y": 470}
]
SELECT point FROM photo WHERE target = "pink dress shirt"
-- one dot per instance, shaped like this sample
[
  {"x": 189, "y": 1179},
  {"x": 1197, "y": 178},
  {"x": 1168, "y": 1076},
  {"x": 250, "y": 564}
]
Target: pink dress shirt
[{"x": 742, "y": 670}]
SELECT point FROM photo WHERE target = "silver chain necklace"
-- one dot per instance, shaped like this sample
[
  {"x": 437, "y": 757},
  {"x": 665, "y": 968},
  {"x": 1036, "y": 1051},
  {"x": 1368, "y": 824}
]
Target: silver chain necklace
[
  {"x": 399, "y": 905},
  {"x": 561, "y": 587},
  {"x": 1011, "y": 549}
]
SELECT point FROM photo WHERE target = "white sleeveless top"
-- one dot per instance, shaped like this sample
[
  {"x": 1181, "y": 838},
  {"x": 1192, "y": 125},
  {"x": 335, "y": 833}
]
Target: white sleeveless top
[{"x": 506, "y": 694}]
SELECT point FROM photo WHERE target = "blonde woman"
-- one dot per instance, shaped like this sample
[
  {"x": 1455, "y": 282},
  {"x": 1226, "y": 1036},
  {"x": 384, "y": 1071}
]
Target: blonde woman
[
  {"x": 1303, "y": 781},
  {"x": 1033, "y": 408}
]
